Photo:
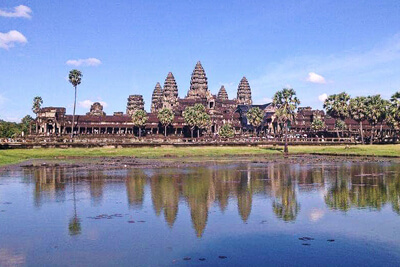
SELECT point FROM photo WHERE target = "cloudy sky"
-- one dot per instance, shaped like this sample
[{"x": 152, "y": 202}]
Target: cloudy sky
[{"x": 125, "y": 47}]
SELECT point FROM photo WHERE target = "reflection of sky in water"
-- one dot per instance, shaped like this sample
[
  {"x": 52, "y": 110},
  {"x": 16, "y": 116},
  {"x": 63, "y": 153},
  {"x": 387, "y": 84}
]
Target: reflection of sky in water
[{"x": 251, "y": 213}]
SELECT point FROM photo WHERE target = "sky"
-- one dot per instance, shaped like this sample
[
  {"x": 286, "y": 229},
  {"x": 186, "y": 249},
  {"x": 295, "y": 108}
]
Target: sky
[{"x": 316, "y": 47}]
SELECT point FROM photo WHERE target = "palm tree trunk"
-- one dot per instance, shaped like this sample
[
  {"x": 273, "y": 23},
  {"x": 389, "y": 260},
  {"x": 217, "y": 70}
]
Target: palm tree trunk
[
  {"x": 361, "y": 133},
  {"x": 191, "y": 132},
  {"x": 372, "y": 135},
  {"x": 73, "y": 116},
  {"x": 198, "y": 132},
  {"x": 165, "y": 130},
  {"x": 140, "y": 132},
  {"x": 286, "y": 150}
]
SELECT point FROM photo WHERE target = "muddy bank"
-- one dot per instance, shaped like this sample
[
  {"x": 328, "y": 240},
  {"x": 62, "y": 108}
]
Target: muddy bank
[{"x": 133, "y": 163}]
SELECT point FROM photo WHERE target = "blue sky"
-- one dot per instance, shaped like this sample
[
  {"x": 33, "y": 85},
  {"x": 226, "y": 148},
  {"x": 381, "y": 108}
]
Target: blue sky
[{"x": 316, "y": 47}]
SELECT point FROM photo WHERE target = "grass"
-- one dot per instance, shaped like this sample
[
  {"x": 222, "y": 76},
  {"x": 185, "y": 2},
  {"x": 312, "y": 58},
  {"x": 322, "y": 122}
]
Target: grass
[{"x": 12, "y": 156}]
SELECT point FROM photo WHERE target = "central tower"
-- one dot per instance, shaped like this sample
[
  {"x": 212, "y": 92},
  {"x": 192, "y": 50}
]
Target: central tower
[{"x": 198, "y": 83}]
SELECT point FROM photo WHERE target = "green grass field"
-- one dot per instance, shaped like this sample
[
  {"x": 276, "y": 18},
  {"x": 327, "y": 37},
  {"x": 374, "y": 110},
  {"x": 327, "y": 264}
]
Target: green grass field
[{"x": 12, "y": 156}]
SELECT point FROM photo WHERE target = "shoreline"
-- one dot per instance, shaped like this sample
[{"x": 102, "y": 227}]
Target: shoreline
[{"x": 20, "y": 156}]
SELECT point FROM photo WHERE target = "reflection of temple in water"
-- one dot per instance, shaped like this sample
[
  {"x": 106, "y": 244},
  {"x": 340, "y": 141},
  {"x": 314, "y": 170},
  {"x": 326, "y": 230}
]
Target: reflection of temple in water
[{"x": 345, "y": 186}]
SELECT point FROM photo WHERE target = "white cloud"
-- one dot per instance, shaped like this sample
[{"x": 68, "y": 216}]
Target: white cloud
[
  {"x": 20, "y": 11},
  {"x": 8, "y": 39},
  {"x": 322, "y": 97},
  {"x": 84, "y": 62},
  {"x": 88, "y": 103},
  {"x": 315, "y": 78}
]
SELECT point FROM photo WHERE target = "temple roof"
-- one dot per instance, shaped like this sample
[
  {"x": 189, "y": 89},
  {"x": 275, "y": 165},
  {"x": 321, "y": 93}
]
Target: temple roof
[{"x": 198, "y": 82}]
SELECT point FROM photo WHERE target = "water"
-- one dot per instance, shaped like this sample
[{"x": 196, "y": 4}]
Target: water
[{"x": 252, "y": 214}]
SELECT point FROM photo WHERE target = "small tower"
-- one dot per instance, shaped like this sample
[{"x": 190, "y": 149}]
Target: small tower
[
  {"x": 170, "y": 92},
  {"x": 135, "y": 102},
  {"x": 222, "y": 94},
  {"x": 96, "y": 110},
  {"x": 198, "y": 83},
  {"x": 244, "y": 93},
  {"x": 156, "y": 98}
]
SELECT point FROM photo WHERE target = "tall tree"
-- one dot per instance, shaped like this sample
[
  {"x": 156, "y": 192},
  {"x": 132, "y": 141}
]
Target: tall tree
[
  {"x": 139, "y": 119},
  {"x": 166, "y": 117},
  {"x": 286, "y": 103},
  {"x": 196, "y": 116},
  {"x": 375, "y": 112},
  {"x": 26, "y": 124},
  {"x": 75, "y": 78},
  {"x": 189, "y": 114},
  {"x": 37, "y": 104},
  {"x": 255, "y": 117},
  {"x": 337, "y": 106},
  {"x": 393, "y": 116},
  {"x": 357, "y": 111}
]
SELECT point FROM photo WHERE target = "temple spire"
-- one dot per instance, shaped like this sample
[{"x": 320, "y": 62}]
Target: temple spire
[
  {"x": 170, "y": 92},
  {"x": 156, "y": 98},
  {"x": 198, "y": 83},
  {"x": 244, "y": 92},
  {"x": 222, "y": 94}
]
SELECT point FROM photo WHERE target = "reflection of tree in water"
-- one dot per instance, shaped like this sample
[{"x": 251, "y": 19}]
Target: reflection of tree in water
[
  {"x": 74, "y": 225},
  {"x": 364, "y": 186},
  {"x": 285, "y": 205},
  {"x": 135, "y": 183}
]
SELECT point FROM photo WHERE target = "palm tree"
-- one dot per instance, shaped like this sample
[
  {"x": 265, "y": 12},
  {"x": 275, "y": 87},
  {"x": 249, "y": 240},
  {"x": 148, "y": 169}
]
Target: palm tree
[
  {"x": 166, "y": 117},
  {"x": 255, "y": 117},
  {"x": 226, "y": 131},
  {"x": 203, "y": 121},
  {"x": 139, "y": 119},
  {"x": 37, "y": 104},
  {"x": 286, "y": 103},
  {"x": 337, "y": 106},
  {"x": 75, "y": 78},
  {"x": 317, "y": 125},
  {"x": 375, "y": 112},
  {"x": 394, "y": 113},
  {"x": 189, "y": 114},
  {"x": 357, "y": 111}
]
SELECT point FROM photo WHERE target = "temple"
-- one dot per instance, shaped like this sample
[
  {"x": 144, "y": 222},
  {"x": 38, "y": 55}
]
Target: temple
[{"x": 221, "y": 109}]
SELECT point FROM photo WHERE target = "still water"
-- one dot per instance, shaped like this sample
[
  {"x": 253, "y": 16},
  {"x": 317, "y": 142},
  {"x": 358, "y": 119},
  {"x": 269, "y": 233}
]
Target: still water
[{"x": 232, "y": 214}]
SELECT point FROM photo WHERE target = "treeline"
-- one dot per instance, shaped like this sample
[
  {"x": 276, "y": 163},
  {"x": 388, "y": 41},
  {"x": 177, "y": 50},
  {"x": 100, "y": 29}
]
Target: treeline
[{"x": 15, "y": 129}]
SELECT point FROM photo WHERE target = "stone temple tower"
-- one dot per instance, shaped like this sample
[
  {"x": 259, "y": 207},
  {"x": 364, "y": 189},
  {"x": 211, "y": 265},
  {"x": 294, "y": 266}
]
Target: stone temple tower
[
  {"x": 244, "y": 92},
  {"x": 156, "y": 98},
  {"x": 135, "y": 102},
  {"x": 222, "y": 94},
  {"x": 198, "y": 83},
  {"x": 170, "y": 92}
]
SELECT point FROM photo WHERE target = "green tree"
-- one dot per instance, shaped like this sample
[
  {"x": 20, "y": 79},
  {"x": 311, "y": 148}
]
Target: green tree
[
  {"x": 393, "y": 116},
  {"x": 337, "y": 106},
  {"x": 375, "y": 112},
  {"x": 357, "y": 111},
  {"x": 139, "y": 119},
  {"x": 286, "y": 103},
  {"x": 166, "y": 117},
  {"x": 75, "y": 78},
  {"x": 37, "y": 104},
  {"x": 226, "y": 131},
  {"x": 340, "y": 125},
  {"x": 317, "y": 125},
  {"x": 203, "y": 121},
  {"x": 255, "y": 117},
  {"x": 196, "y": 116},
  {"x": 26, "y": 123}
]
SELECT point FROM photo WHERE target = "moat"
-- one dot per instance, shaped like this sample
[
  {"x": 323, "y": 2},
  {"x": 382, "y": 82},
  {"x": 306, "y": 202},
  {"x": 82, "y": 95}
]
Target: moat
[{"x": 318, "y": 213}]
